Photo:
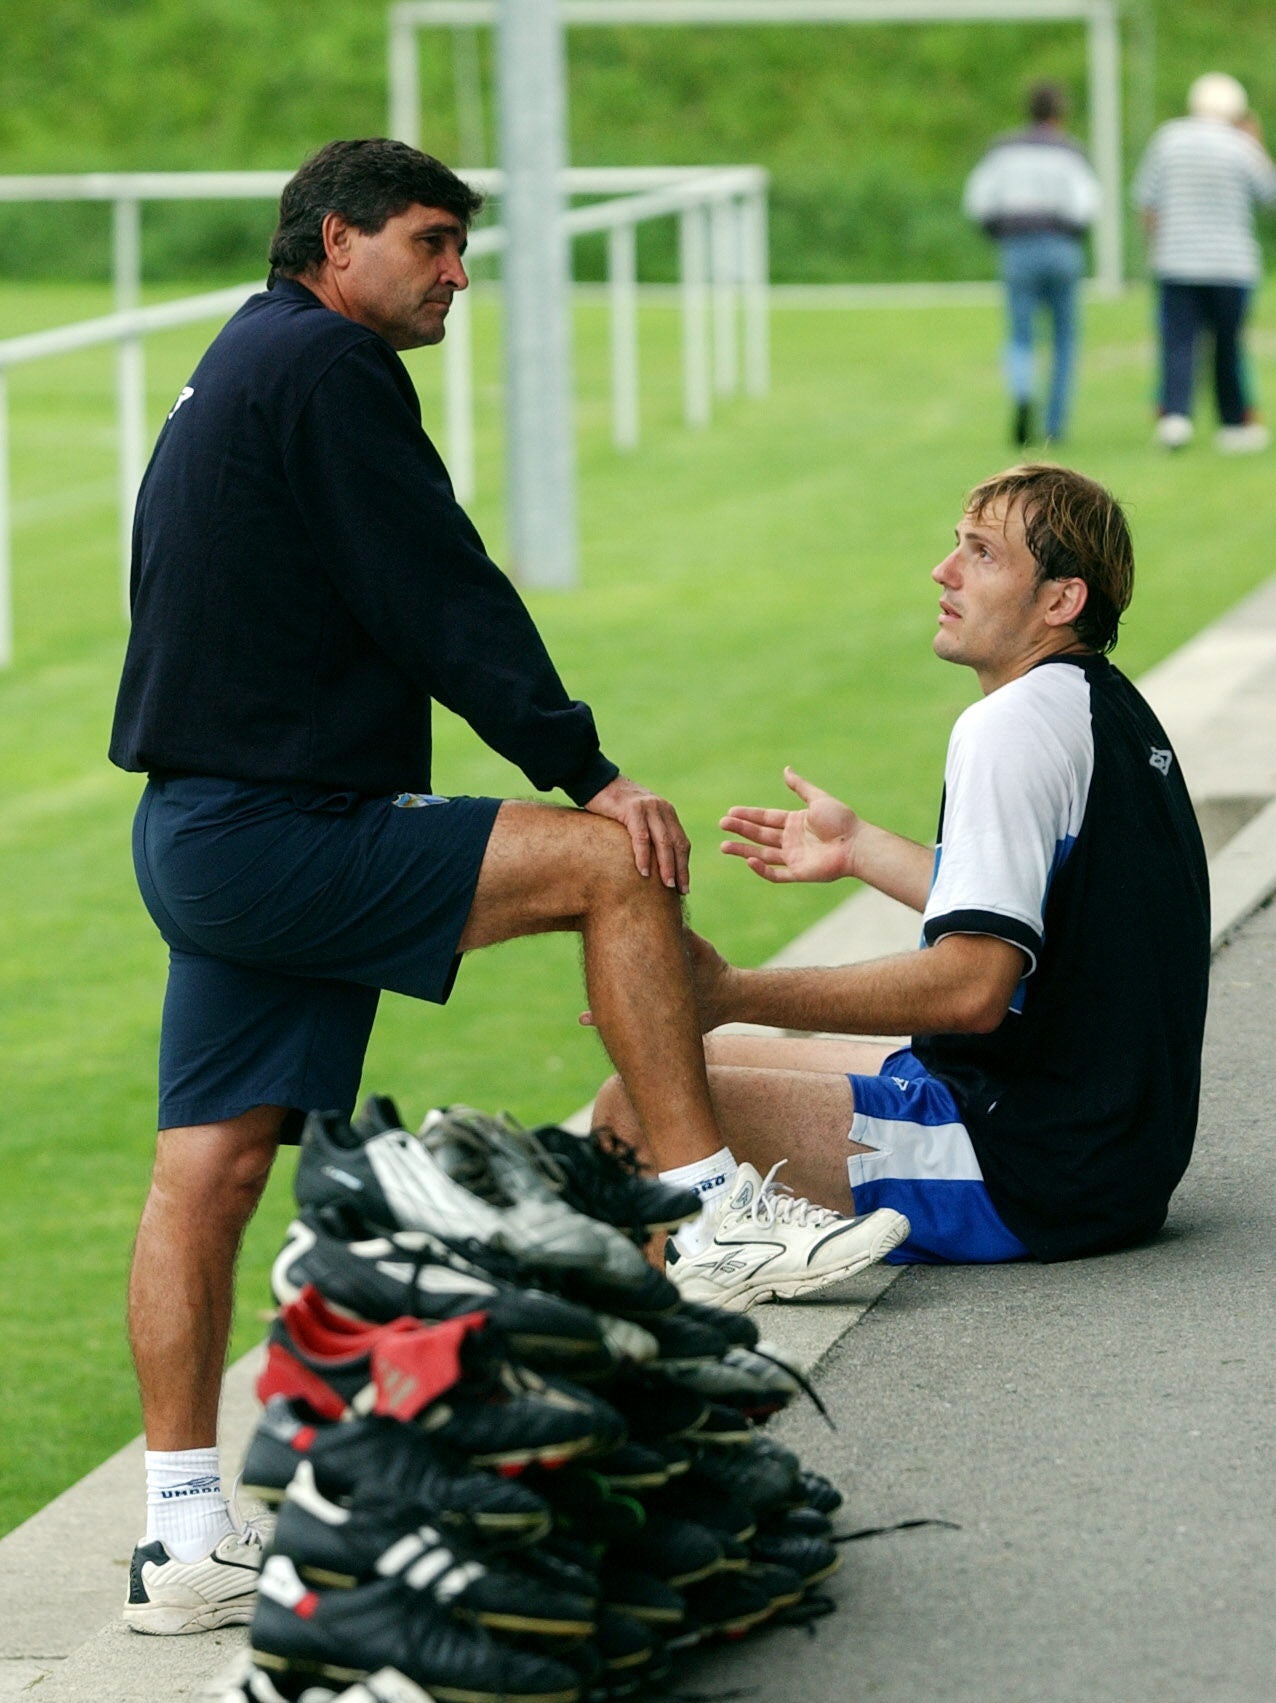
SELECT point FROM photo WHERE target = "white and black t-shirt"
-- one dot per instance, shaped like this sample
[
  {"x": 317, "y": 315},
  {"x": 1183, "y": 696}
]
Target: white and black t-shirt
[
  {"x": 1031, "y": 182},
  {"x": 1066, "y": 829}
]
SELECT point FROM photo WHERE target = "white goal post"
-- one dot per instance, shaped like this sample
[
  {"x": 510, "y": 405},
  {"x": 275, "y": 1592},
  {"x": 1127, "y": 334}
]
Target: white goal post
[{"x": 406, "y": 18}]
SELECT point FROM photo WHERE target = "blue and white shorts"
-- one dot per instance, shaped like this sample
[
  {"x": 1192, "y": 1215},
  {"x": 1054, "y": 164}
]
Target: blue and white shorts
[{"x": 924, "y": 1166}]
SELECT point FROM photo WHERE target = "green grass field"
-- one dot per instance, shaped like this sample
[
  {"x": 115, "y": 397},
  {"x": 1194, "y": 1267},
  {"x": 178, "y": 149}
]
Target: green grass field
[
  {"x": 754, "y": 595},
  {"x": 868, "y": 129}
]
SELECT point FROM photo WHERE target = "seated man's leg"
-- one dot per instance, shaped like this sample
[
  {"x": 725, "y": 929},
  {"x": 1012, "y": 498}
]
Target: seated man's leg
[
  {"x": 825, "y": 1054},
  {"x": 547, "y": 869},
  {"x": 767, "y": 1114},
  {"x": 755, "y": 1240},
  {"x": 775, "y": 1097},
  {"x": 854, "y": 1142},
  {"x": 890, "y": 1135}
]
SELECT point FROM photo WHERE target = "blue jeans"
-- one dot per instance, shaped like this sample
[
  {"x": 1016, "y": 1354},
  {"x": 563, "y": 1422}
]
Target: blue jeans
[
  {"x": 1042, "y": 271},
  {"x": 1187, "y": 311}
]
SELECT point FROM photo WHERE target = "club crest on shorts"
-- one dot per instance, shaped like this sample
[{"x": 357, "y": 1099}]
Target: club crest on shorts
[{"x": 415, "y": 800}]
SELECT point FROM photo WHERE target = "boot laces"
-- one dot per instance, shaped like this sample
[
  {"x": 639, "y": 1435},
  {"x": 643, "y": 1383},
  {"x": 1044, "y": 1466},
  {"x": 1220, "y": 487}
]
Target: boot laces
[
  {"x": 254, "y": 1530},
  {"x": 776, "y": 1204}
]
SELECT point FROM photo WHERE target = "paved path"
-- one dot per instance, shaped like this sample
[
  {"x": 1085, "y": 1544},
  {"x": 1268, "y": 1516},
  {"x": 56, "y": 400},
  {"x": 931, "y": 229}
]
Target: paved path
[
  {"x": 1101, "y": 1434},
  {"x": 1047, "y": 1410}
]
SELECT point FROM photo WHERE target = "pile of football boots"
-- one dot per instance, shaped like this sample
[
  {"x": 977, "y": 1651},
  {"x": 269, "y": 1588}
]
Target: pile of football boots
[{"x": 510, "y": 1464}]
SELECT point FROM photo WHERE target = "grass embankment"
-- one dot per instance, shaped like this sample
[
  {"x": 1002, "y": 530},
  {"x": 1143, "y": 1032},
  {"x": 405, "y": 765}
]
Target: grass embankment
[
  {"x": 869, "y": 130},
  {"x": 753, "y": 595}
]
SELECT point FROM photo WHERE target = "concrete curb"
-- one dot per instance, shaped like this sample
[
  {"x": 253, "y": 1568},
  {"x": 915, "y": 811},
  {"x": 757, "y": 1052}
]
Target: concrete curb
[
  {"x": 1243, "y": 875},
  {"x": 62, "y": 1573}
]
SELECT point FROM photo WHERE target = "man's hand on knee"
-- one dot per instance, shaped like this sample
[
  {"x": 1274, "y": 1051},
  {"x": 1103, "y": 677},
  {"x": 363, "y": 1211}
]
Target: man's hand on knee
[{"x": 652, "y": 824}]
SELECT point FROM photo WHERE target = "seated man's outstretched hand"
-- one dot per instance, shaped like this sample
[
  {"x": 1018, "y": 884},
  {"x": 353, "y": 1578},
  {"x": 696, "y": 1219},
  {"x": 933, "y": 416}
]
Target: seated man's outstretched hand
[{"x": 813, "y": 844}]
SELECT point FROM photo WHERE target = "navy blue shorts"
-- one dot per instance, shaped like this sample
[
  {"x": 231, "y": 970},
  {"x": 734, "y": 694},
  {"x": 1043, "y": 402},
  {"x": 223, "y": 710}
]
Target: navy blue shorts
[
  {"x": 923, "y": 1164},
  {"x": 286, "y": 910}
]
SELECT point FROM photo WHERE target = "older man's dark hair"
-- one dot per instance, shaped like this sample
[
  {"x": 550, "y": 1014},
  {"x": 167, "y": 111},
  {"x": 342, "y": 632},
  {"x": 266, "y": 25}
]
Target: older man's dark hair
[{"x": 367, "y": 181}]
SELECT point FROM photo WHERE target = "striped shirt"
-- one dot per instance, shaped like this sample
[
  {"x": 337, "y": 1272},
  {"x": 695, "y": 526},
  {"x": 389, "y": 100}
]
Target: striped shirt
[
  {"x": 1201, "y": 178},
  {"x": 1036, "y": 180}
]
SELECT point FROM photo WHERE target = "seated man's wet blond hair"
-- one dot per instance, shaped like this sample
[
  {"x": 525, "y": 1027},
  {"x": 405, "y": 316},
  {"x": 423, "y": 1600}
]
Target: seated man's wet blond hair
[{"x": 1075, "y": 529}]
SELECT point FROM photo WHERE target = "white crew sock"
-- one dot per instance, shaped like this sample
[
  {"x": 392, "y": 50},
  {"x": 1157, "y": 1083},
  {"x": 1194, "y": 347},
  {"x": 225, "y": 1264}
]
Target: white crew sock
[
  {"x": 711, "y": 1178},
  {"x": 185, "y": 1508}
]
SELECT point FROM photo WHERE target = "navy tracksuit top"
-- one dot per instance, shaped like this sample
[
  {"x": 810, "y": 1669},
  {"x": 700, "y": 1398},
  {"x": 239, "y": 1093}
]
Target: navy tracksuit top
[{"x": 304, "y": 581}]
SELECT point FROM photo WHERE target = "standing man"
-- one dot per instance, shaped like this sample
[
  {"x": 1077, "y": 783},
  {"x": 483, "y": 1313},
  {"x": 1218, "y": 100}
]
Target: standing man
[
  {"x": 304, "y": 584},
  {"x": 1034, "y": 192},
  {"x": 1197, "y": 187},
  {"x": 1047, "y": 1104}
]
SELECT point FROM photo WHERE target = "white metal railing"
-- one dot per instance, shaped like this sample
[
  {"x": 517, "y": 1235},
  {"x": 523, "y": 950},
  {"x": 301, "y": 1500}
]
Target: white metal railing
[
  {"x": 1100, "y": 18},
  {"x": 126, "y": 331},
  {"x": 721, "y": 213}
]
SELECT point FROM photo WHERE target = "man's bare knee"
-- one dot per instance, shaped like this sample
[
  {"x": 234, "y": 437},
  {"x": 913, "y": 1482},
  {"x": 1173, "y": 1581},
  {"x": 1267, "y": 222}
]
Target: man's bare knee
[
  {"x": 548, "y": 869},
  {"x": 218, "y": 1169}
]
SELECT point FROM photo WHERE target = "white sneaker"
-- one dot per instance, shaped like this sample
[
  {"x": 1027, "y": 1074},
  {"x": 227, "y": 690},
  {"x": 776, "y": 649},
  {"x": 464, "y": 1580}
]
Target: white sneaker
[
  {"x": 1242, "y": 440},
  {"x": 768, "y": 1245},
  {"x": 1174, "y": 430},
  {"x": 167, "y": 1596}
]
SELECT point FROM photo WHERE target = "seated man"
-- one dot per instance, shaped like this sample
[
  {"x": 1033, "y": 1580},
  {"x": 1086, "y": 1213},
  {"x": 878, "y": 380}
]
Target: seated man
[{"x": 1047, "y": 1105}]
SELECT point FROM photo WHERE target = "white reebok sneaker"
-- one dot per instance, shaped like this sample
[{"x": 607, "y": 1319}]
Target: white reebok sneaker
[
  {"x": 167, "y": 1596},
  {"x": 770, "y": 1245}
]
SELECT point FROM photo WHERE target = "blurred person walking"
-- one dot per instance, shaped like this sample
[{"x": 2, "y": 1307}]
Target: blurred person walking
[
  {"x": 1197, "y": 187},
  {"x": 1035, "y": 194}
]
